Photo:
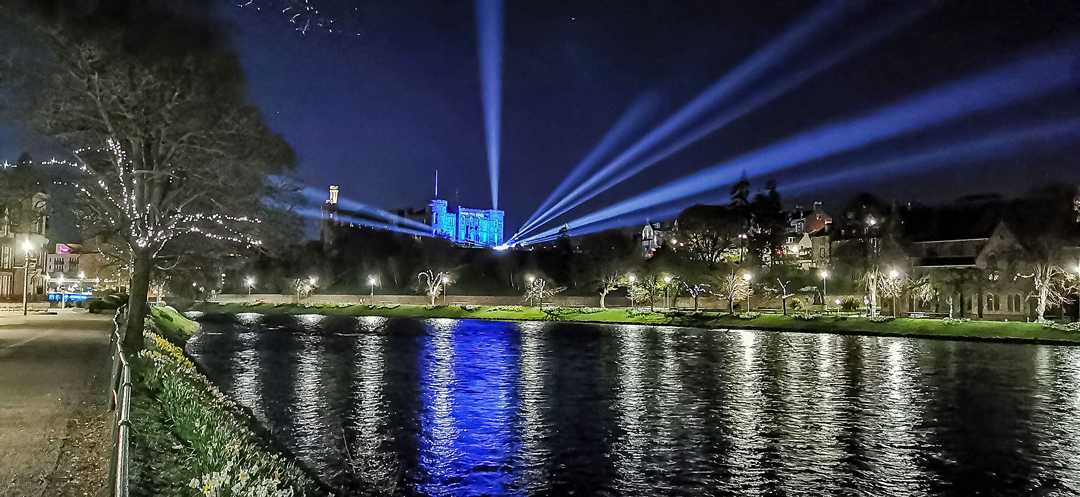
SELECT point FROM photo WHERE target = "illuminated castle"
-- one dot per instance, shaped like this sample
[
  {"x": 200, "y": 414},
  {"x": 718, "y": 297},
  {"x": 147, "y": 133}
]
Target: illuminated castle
[{"x": 469, "y": 227}]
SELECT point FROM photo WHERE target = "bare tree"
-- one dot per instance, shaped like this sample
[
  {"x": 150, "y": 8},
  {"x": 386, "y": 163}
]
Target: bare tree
[
  {"x": 303, "y": 287},
  {"x": 433, "y": 283},
  {"x": 695, "y": 290},
  {"x": 782, "y": 291},
  {"x": 538, "y": 290},
  {"x": 1053, "y": 286},
  {"x": 732, "y": 287},
  {"x": 165, "y": 145}
]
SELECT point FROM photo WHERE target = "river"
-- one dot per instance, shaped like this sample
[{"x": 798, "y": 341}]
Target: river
[{"x": 461, "y": 407}]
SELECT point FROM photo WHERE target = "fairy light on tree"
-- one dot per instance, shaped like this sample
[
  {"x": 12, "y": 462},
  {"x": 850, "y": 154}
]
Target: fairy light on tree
[{"x": 167, "y": 149}]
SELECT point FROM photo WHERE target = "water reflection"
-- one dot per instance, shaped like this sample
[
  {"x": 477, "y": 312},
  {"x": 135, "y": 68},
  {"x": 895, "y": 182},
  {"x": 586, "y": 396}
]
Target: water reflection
[{"x": 444, "y": 407}]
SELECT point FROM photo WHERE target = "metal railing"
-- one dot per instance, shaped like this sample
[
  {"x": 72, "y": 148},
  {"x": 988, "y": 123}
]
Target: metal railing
[{"x": 120, "y": 402}]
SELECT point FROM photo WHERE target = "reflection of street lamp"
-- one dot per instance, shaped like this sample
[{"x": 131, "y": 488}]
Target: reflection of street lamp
[{"x": 747, "y": 277}]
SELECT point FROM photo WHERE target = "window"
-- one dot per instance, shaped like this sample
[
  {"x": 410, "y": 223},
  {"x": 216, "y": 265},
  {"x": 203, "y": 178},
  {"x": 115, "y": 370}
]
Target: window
[
  {"x": 5, "y": 284},
  {"x": 5, "y": 257}
]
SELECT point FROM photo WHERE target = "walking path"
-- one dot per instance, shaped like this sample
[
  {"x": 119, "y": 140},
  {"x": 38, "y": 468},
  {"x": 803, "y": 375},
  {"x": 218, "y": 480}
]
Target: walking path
[{"x": 54, "y": 374}]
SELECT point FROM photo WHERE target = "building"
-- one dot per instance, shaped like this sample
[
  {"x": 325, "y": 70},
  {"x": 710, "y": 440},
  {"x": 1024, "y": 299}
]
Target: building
[
  {"x": 654, "y": 234},
  {"x": 467, "y": 227},
  {"x": 808, "y": 240},
  {"x": 23, "y": 224}
]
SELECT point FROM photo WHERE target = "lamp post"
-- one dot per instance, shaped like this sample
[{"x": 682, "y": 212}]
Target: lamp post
[
  {"x": 824, "y": 273},
  {"x": 893, "y": 275},
  {"x": 27, "y": 248},
  {"x": 747, "y": 277},
  {"x": 60, "y": 286},
  {"x": 667, "y": 284},
  {"x": 630, "y": 278},
  {"x": 250, "y": 283},
  {"x": 371, "y": 283},
  {"x": 445, "y": 281}
]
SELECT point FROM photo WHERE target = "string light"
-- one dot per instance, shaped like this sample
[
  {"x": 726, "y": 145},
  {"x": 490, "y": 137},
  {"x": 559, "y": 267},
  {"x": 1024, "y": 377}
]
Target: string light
[{"x": 110, "y": 195}]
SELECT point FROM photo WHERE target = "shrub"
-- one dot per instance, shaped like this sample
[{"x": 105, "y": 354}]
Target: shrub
[
  {"x": 849, "y": 304},
  {"x": 806, "y": 316},
  {"x": 795, "y": 304},
  {"x": 748, "y": 315},
  {"x": 954, "y": 320},
  {"x": 881, "y": 319},
  {"x": 507, "y": 308}
]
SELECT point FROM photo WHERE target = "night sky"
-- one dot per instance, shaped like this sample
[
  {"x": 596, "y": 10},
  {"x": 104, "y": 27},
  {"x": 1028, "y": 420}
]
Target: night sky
[{"x": 378, "y": 107}]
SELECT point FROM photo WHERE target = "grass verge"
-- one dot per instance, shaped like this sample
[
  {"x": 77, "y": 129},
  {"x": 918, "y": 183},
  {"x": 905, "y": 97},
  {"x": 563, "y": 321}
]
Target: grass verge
[
  {"x": 922, "y": 328},
  {"x": 190, "y": 439}
]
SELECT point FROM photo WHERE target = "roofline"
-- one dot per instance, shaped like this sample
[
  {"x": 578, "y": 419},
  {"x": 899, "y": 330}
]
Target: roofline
[{"x": 955, "y": 240}]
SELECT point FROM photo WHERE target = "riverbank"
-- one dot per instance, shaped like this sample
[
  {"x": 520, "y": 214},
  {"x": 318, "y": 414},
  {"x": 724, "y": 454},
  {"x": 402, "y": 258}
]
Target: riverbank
[
  {"x": 903, "y": 327},
  {"x": 187, "y": 437}
]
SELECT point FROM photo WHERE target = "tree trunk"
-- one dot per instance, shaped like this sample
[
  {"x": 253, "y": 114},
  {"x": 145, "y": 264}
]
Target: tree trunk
[
  {"x": 783, "y": 303},
  {"x": 695, "y": 303},
  {"x": 136, "y": 310},
  {"x": 603, "y": 296},
  {"x": 980, "y": 306},
  {"x": 1040, "y": 307}
]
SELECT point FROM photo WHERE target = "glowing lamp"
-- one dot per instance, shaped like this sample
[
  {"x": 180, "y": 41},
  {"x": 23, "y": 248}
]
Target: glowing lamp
[
  {"x": 747, "y": 277},
  {"x": 823, "y": 274},
  {"x": 27, "y": 246},
  {"x": 631, "y": 278},
  {"x": 530, "y": 278},
  {"x": 893, "y": 274},
  {"x": 82, "y": 275}
]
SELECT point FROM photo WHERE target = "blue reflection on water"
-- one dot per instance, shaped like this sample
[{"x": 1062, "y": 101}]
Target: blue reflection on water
[{"x": 468, "y": 403}]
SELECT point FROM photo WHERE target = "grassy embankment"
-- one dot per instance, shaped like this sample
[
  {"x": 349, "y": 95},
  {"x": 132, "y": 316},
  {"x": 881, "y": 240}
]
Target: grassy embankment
[
  {"x": 187, "y": 437},
  {"x": 925, "y": 328}
]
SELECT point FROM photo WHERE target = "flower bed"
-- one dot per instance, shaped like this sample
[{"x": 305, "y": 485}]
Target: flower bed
[{"x": 190, "y": 439}]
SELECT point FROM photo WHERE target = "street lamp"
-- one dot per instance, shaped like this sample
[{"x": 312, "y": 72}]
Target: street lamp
[
  {"x": 631, "y": 278},
  {"x": 445, "y": 280},
  {"x": 371, "y": 280},
  {"x": 27, "y": 248},
  {"x": 824, "y": 274},
  {"x": 747, "y": 277},
  {"x": 667, "y": 287},
  {"x": 250, "y": 283},
  {"x": 530, "y": 278},
  {"x": 894, "y": 275}
]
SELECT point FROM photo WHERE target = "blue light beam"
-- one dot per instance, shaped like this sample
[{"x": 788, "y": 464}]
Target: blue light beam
[
  {"x": 627, "y": 123},
  {"x": 312, "y": 213},
  {"x": 1031, "y": 76},
  {"x": 794, "y": 38},
  {"x": 991, "y": 145},
  {"x": 776, "y": 89},
  {"x": 489, "y": 34},
  {"x": 360, "y": 208}
]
